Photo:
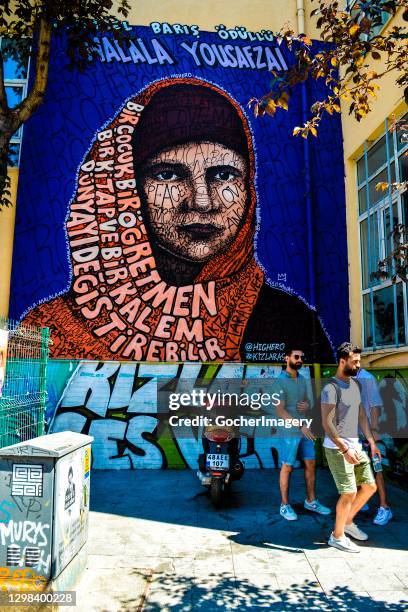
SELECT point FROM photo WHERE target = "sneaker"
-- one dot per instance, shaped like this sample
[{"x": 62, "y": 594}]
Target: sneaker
[
  {"x": 288, "y": 512},
  {"x": 343, "y": 543},
  {"x": 355, "y": 532},
  {"x": 316, "y": 506},
  {"x": 384, "y": 515},
  {"x": 365, "y": 508}
]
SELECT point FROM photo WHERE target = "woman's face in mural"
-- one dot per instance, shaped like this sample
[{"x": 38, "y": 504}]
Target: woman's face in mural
[{"x": 196, "y": 197}]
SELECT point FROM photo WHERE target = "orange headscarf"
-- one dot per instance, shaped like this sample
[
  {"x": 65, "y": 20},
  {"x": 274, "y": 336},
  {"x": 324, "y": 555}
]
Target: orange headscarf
[{"x": 118, "y": 307}]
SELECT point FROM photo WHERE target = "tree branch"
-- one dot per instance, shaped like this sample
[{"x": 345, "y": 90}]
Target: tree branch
[
  {"x": 3, "y": 97},
  {"x": 36, "y": 95}
]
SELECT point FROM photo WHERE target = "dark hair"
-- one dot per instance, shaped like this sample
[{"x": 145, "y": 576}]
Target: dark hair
[
  {"x": 290, "y": 348},
  {"x": 345, "y": 349},
  {"x": 188, "y": 112}
]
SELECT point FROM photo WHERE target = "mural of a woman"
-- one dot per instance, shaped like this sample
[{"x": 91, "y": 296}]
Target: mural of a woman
[{"x": 161, "y": 233}]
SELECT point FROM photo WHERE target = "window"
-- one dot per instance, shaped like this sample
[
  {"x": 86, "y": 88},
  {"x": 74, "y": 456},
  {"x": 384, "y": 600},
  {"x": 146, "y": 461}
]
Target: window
[
  {"x": 15, "y": 80},
  {"x": 384, "y": 305}
]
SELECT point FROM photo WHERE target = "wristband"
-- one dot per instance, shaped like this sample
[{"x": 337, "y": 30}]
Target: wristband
[{"x": 344, "y": 452}]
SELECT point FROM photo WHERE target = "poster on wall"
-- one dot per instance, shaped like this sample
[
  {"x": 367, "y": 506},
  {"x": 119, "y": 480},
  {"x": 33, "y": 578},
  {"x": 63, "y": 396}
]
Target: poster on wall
[
  {"x": 71, "y": 506},
  {"x": 170, "y": 224}
]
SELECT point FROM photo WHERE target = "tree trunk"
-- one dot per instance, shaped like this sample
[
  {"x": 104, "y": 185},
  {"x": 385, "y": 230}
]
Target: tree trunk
[
  {"x": 5, "y": 137},
  {"x": 12, "y": 119}
]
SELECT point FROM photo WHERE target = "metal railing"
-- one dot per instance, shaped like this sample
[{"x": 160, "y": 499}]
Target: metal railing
[{"x": 24, "y": 352}]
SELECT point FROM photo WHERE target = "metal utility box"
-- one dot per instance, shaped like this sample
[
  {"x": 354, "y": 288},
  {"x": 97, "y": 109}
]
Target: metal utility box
[{"x": 44, "y": 505}]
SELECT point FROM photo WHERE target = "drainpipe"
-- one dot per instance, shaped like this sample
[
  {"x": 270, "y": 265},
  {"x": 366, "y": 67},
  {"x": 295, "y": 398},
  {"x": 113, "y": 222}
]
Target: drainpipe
[{"x": 300, "y": 14}]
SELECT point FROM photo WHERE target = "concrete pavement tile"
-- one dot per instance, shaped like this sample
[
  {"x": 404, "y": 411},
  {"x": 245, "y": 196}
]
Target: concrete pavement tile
[
  {"x": 342, "y": 600},
  {"x": 107, "y": 587},
  {"x": 108, "y": 603},
  {"x": 213, "y": 603},
  {"x": 213, "y": 565},
  {"x": 155, "y": 564},
  {"x": 177, "y": 548},
  {"x": 204, "y": 536},
  {"x": 334, "y": 564},
  {"x": 169, "y": 592},
  {"x": 245, "y": 565},
  {"x": 96, "y": 561},
  {"x": 250, "y": 555},
  {"x": 387, "y": 598},
  {"x": 361, "y": 581},
  {"x": 214, "y": 590},
  {"x": 401, "y": 574},
  {"x": 332, "y": 581},
  {"x": 150, "y": 528},
  {"x": 214, "y": 551},
  {"x": 143, "y": 548},
  {"x": 264, "y": 580},
  {"x": 103, "y": 547},
  {"x": 183, "y": 566},
  {"x": 381, "y": 557},
  {"x": 257, "y": 591},
  {"x": 286, "y": 580},
  {"x": 303, "y": 597},
  {"x": 372, "y": 580},
  {"x": 293, "y": 563}
]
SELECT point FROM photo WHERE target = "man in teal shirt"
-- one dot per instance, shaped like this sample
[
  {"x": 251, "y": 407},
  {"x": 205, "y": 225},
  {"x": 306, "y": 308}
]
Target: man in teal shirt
[{"x": 294, "y": 404}]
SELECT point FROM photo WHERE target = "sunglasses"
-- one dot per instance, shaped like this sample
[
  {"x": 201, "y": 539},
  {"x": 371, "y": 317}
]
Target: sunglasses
[{"x": 297, "y": 357}]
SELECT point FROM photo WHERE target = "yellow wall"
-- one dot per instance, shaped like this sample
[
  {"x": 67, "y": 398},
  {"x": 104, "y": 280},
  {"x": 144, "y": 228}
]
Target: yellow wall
[
  {"x": 253, "y": 14},
  {"x": 7, "y": 216},
  {"x": 389, "y": 101}
]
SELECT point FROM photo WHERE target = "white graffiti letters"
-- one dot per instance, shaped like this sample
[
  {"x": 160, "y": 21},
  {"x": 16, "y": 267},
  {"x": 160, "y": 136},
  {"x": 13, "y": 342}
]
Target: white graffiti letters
[{"x": 27, "y": 532}]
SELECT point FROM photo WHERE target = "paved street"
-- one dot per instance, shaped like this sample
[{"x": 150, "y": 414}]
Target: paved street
[{"x": 156, "y": 543}]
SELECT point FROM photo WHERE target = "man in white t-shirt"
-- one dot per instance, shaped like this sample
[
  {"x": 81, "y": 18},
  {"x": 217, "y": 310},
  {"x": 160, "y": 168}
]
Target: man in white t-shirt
[
  {"x": 373, "y": 405},
  {"x": 342, "y": 416}
]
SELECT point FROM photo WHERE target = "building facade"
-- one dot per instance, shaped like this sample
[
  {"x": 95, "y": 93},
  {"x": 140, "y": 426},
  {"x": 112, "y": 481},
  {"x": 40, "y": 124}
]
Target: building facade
[{"x": 162, "y": 231}]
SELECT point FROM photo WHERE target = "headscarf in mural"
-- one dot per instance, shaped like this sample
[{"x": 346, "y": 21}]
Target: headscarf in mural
[{"x": 161, "y": 234}]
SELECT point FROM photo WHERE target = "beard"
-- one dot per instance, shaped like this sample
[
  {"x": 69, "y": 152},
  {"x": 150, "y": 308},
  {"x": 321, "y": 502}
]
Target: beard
[
  {"x": 296, "y": 366},
  {"x": 349, "y": 371}
]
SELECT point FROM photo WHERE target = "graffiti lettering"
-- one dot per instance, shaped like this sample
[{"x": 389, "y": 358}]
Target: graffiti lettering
[
  {"x": 138, "y": 51},
  {"x": 175, "y": 28},
  {"x": 24, "y": 531},
  {"x": 234, "y": 56}
]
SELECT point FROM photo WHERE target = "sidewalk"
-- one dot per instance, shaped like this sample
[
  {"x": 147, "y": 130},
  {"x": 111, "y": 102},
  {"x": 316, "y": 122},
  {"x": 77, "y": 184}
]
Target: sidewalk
[{"x": 156, "y": 543}]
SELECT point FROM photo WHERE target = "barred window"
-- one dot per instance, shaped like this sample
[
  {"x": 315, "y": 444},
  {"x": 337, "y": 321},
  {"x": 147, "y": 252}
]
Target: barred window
[{"x": 384, "y": 304}]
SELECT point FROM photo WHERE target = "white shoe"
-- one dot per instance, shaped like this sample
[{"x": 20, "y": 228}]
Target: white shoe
[
  {"x": 383, "y": 516},
  {"x": 355, "y": 532},
  {"x": 288, "y": 512},
  {"x": 343, "y": 543}
]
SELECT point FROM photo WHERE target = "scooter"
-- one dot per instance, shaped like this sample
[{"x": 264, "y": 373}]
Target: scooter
[{"x": 219, "y": 465}]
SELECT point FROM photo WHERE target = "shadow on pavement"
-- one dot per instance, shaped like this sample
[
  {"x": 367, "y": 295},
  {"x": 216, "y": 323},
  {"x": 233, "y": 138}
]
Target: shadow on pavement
[
  {"x": 251, "y": 512},
  {"x": 215, "y": 592}
]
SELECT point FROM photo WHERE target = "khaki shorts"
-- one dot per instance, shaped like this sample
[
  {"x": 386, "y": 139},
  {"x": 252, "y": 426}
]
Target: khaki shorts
[{"x": 347, "y": 476}]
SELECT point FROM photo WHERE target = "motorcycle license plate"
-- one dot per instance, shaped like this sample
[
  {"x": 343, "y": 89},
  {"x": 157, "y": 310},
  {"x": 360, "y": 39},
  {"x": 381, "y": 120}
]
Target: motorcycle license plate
[{"x": 216, "y": 461}]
